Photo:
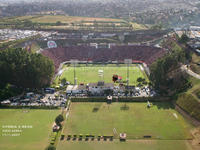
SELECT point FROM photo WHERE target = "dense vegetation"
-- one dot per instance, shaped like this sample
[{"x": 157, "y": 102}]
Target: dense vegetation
[
  {"x": 168, "y": 78},
  {"x": 184, "y": 39},
  {"x": 50, "y": 147},
  {"x": 166, "y": 75},
  {"x": 59, "y": 119},
  {"x": 24, "y": 70},
  {"x": 189, "y": 100},
  {"x": 190, "y": 104}
]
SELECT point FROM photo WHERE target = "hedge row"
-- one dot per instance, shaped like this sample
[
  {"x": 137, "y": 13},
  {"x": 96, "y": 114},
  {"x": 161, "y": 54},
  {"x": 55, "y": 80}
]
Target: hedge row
[
  {"x": 121, "y": 99},
  {"x": 30, "y": 107},
  {"x": 53, "y": 138},
  {"x": 190, "y": 104},
  {"x": 89, "y": 99}
]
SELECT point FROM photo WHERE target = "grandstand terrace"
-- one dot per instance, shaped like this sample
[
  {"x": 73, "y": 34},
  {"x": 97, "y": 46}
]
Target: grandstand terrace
[{"x": 147, "y": 54}]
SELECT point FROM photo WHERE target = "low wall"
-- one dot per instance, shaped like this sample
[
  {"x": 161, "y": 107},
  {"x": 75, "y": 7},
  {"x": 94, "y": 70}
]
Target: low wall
[{"x": 121, "y": 99}]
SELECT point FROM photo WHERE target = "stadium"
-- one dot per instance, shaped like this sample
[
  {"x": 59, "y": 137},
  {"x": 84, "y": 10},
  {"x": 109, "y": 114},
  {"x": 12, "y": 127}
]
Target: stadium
[{"x": 104, "y": 54}]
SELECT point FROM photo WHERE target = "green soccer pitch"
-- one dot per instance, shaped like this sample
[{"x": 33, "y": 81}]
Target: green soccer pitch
[
  {"x": 35, "y": 126},
  {"x": 167, "y": 127},
  {"x": 91, "y": 73}
]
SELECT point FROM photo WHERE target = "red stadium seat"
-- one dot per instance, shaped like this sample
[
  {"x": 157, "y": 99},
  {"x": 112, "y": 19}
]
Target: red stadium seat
[{"x": 139, "y": 54}]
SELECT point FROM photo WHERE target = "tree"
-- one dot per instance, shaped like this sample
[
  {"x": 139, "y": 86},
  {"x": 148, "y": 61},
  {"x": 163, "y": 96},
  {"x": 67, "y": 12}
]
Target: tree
[
  {"x": 131, "y": 92},
  {"x": 28, "y": 23},
  {"x": 144, "y": 82},
  {"x": 108, "y": 92},
  {"x": 43, "y": 68},
  {"x": 24, "y": 69},
  {"x": 50, "y": 147},
  {"x": 184, "y": 38},
  {"x": 63, "y": 81},
  {"x": 165, "y": 72},
  {"x": 126, "y": 92},
  {"x": 59, "y": 119},
  {"x": 58, "y": 23},
  {"x": 139, "y": 85},
  {"x": 115, "y": 78},
  {"x": 140, "y": 79},
  {"x": 5, "y": 74},
  {"x": 157, "y": 27}
]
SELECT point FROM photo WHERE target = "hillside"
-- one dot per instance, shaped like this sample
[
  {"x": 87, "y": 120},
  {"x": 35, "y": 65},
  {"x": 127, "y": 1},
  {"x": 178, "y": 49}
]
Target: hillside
[
  {"x": 69, "y": 23},
  {"x": 190, "y": 100}
]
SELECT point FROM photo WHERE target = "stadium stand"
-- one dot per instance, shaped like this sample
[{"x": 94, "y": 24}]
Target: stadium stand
[{"x": 147, "y": 54}]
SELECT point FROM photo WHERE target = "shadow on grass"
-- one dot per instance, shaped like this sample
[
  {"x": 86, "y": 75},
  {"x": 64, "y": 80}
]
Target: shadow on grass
[
  {"x": 96, "y": 107},
  {"x": 163, "y": 105},
  {"x": 124, "y": 107}
]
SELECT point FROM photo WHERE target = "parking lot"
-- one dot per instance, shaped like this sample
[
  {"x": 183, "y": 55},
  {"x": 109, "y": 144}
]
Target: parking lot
[{"x": 33, "y": 99}]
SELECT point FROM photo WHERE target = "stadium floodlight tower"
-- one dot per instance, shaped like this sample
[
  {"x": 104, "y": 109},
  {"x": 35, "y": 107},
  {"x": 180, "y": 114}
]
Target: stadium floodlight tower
[
  {"x": 74, "y": 62},
  {"x": 60, "y": 73},
  {"x": 128, "y": 62}
]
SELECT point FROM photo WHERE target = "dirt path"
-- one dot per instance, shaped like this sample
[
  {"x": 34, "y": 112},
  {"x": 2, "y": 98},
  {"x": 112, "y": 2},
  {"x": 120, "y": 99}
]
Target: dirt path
[{"x": 190, "y": 72}]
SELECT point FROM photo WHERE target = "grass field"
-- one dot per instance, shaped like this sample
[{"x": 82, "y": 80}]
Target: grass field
[
  {"x": 129, "y": 145},
  {"x": 35, "y": 138},
  {"x": 89, "y": 74},
  {"x": 167, "y": 127},
  {"x": 190, "y": 99},
  {"x": 75, "y": 22},
  {"x": 195, "y": 90},
  {"x": 82, "y": 23},
  {"x": 194, "y": 63},
  {"x": 137, "y": 26},
  {"x": 135, "y": 119},
  {"x": 70, "y": 19},
  {"x": 34, "y": 47}
]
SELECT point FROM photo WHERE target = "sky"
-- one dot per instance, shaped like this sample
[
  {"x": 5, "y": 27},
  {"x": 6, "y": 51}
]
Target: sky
[{"x": 15, "y": 1}]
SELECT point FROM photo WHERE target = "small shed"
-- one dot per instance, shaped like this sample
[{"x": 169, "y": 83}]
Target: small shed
[
  {"x": 55, "y": 128},
  {"x": 122, "y": 136},
  {"x": 109, "y": 99}
]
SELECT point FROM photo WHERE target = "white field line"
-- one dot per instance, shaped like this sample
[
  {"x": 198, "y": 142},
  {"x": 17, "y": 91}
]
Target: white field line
[
  {"x": 141, "y": 67},
  {"x": 175, "y": 115},
  {"x": 114, "y": 131},
  {"x": 67, "y": 114}
]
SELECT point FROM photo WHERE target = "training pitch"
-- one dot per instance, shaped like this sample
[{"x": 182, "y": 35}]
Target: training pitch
[
  {"x": 94, "y": 73},
  {"x": 165, "y": 126},
  {"x": 31, "y": 128}
]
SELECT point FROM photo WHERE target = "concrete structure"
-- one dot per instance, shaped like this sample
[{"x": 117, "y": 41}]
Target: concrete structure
[
  {"x": 100, "y": 87},
  {"x": 76, "y": 89}
]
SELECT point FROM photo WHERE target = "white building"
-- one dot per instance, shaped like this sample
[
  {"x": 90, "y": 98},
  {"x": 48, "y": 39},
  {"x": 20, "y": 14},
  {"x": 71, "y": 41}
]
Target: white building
[
  {"x": 76, "y": 89},
  {"x": 100, "y": 87},
  {"x": 72, "y": 89}
]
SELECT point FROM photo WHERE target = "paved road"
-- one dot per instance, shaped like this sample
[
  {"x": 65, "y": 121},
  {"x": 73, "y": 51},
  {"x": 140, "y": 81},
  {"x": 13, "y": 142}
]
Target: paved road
[{"x": 190, "y": 72}]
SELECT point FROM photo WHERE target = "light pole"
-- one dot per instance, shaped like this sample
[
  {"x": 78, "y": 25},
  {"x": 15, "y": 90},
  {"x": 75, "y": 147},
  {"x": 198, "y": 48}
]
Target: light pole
[
  {"x": 128, "y": 62},
  {"x": 74, "y": 62}
]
